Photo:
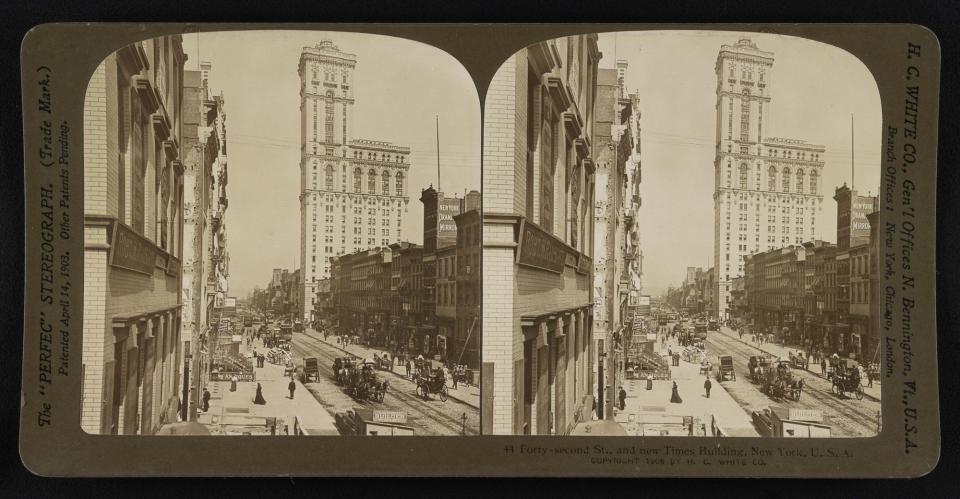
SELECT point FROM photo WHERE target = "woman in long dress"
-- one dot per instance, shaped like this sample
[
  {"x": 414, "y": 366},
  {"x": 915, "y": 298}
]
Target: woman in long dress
[
  {"x": 675, "y": 395},
  {"x": 258, "y": 399}
]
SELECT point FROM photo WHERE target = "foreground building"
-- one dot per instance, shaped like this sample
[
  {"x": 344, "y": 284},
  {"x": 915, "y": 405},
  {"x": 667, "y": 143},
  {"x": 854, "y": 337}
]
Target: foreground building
[
  {"x": 133, "y": 347},
  {"x": 767, "y": 191},
  {"x": 353, "y": 192},
  {"x": 205, "y": 257},
  {"x": 538, "y": 233},
  {"x": 616, "y": 234}
]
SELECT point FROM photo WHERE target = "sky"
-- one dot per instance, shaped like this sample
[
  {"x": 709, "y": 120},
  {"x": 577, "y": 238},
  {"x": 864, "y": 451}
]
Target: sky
[
  {"x": 814, "y": 89},
  {"x": 400, "y": 87}
]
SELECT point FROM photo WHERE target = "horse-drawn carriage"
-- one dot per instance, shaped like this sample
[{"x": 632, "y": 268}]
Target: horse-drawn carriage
[
  {"x": 364, "y": 383},
  {"x": 847, "y": 379},
  {"x": 383, "y": 362},
  {"x": 341, "y": 369},
  {"x": 757, "y": 366},
  {"x": 431, "y": 381},
  {"x": 799, "y": 361},
  {"x": 726, "y": 372},
  {"x": 779, "y": 382}
]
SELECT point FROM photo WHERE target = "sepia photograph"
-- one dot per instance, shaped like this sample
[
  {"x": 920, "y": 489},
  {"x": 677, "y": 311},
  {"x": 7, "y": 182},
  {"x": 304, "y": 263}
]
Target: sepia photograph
[
  {"x": 282, "y": 237},
  {"x": 681, "y": 238}
]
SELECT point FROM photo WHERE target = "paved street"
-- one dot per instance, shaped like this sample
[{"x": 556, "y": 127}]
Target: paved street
[
  {"x": 428, "y": 417},
  {"x": 848, "y": 417}
]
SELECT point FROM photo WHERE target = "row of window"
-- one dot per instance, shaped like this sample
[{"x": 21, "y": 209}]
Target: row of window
[
  {"x": 385, "y": 181},
  {"x": 772, "y": 174}
]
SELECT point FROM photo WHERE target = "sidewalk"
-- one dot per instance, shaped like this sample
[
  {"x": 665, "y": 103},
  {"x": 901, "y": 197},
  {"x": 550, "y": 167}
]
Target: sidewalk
[
  {"x": 467, "y": 394},
  {"x": 872, "y": 392},
  {"x": 234, "y": 413},
  {"x": 650, "y": 412}
]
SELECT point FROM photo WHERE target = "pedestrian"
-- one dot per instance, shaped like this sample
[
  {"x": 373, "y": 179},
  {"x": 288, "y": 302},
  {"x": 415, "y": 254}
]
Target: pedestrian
[
  {"x": 455, "y": 379},
  {"x": 649, "y": 381},
  {"x": 205, "y": 400},
  {"x": 258, "y": 398},
  {"x": 823, "y": 367},
  {"x": 408, "y": 368},
  {"x": 675, "y": 395},
  {"x": 233, "y": 383},
  {"x": 623, "y": 399},
  {"x": 292, "y": 386},
  {"x": 707, "y": 385}
]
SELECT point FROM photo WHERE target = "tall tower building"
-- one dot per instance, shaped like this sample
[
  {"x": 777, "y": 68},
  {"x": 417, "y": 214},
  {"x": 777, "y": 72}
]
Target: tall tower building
[
  {"x": 767, "y": 191},
  {"x": 353, "y": 192}
]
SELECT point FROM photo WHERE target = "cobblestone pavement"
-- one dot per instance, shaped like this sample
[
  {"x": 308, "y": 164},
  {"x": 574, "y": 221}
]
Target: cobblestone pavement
[
  {"x": 427, "y": 417},
  {"x": 848, "y": 417}
]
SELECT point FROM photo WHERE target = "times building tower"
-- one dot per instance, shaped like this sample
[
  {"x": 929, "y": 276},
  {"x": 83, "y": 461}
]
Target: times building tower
[
  {"x": 767, "y": 191},
  {"x": 353, "y": 192}
]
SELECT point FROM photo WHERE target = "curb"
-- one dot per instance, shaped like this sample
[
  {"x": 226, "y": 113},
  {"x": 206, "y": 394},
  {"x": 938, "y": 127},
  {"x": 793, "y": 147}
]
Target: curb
[
  {"x": 449, "y": 394},
  {"x": 865, "y": 394}
]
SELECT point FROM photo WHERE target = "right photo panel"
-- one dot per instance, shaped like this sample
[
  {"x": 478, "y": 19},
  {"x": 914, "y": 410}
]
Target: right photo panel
[{"x": 680, "y": 238}]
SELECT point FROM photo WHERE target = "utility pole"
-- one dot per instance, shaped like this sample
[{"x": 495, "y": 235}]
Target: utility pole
[
  {"x": 438, "y": 152},
  {"x": 853, "y": 170}
]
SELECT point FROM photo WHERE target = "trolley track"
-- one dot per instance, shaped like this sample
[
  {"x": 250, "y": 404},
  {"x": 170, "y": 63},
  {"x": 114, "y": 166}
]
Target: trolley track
[
  {"x": 425, "y": 414},
  {"x": 853, "y": 422}
]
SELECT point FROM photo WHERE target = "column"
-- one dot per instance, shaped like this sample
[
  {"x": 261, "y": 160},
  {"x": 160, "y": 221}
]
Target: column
[{"x": 130, "y": 371}]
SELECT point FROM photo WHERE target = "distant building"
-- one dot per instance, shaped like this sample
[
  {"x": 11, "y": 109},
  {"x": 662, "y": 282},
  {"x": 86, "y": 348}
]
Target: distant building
[
  {"x": 353, "y": 192},
  {"x": 466, "y": 340},
  {"x": 767, "y": 191}
]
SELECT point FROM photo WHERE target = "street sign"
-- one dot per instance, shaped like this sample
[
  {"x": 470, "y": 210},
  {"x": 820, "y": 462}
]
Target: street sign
[
  {"x": 805, "y": 415},
  {"x": 389, "y": 416}
]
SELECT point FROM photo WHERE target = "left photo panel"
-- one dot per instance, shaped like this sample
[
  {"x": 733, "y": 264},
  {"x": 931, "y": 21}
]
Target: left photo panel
[{"x": 281, "y": 237}]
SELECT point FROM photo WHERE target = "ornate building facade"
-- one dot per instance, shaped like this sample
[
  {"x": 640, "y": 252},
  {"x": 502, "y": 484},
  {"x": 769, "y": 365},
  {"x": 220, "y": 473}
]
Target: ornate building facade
[
  {"x": 353, "y": 192},
  {"x": 205, "y": 257},
  {"x": 767, "y": 190}
]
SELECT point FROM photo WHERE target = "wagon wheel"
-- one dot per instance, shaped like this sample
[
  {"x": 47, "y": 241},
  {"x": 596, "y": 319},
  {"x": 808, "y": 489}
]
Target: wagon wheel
[
  {"x": 859, "y": 392},
  {"x": 443, "y": 394},
  {"x": 421, "y": 392},
  {"x": 836, "y": 388}
]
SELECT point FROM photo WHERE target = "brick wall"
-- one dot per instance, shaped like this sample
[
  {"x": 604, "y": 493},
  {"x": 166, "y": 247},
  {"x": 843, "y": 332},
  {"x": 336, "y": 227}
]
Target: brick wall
[
  {"x": 501, "y": 343},
  {"x": 95, "y": 254},
  {"x": 500, "y": 185}
]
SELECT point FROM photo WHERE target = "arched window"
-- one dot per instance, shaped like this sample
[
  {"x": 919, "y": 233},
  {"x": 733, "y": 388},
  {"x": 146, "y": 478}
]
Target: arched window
[
  {"x": 786, "y": 180},
  {"x": 357, "y": 177},
  {"x": 800, "y": 180},
  {"x": 744, "y": 174},
  {"x": 772, "y": 178},
  {"x": 328, "y": 178},
  {"x": 386, "y": 183},
  {"x": 328, "y": 120},
  {"x": 372, "y": 182},
  {"x": 399, "y": 183},
  {"x": 813, "y": 182}
]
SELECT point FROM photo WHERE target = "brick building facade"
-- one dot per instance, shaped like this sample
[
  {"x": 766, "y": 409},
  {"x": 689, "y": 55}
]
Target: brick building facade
[
  {"x": 537, "y": 239},
  {"x": 133, "y": 231}
]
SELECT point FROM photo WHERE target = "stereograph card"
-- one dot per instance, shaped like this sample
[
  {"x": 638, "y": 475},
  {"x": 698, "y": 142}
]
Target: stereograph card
[{"x": 518, "y": 250}]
